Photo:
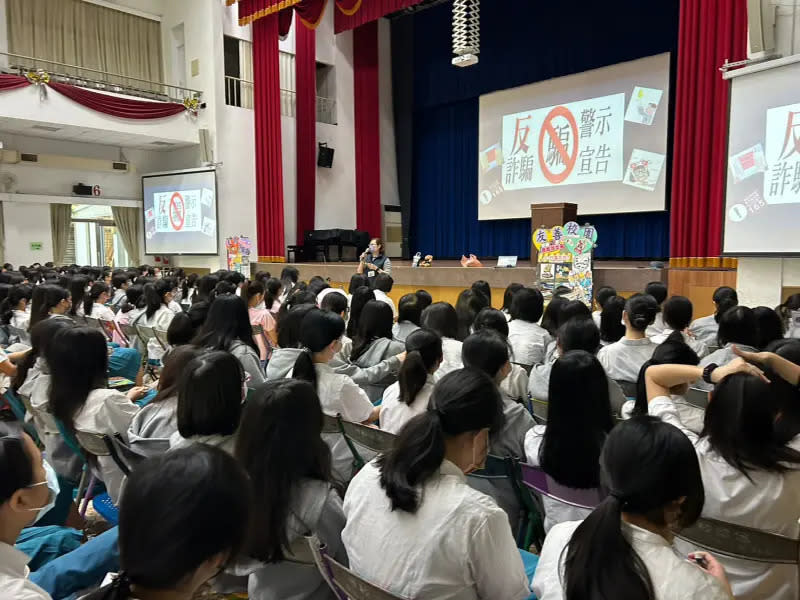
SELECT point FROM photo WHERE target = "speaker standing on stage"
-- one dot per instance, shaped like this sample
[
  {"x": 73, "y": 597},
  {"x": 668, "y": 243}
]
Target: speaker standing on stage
[{"x": 373, "y": 261}]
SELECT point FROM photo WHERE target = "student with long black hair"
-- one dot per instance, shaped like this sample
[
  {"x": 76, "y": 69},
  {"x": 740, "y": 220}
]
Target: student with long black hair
[
  {"x": 255, "y": 294},
  {"x": 468, "y": 305},
  {"x": 623, "y": 549},
  {"x": 528, "y": 340},
  {"x": 751, "y": 474},
  {"x": 132, "y": 306},
  {"x": 77, "y": 290},
  {"x": 611, "y": 326},
  {"x": 677, "y": 315},
  {"x": 658, "y": 290},
  {"x": 578, "y": 422},
  {"x": 737, "y": 326},
  {"x": 156, "y": 314},
  {"x": 441, "y": 317},
  {"x": 769, "y": 326},
  {"x": 409, "y": 317},
  {"x": 320, "y": 333},
  {"x": 13, "y": 310},
  {"x": 94, "y": 302},
  {"x": 228, "y": 328},
  {"x": 448, "y": 540},
  {"x": 508, "y": 297},
  {"x": 360, "y": 298},
  {"x": 408, "y": 397},
  {"x": 623, "y": 359},
  {"x": 515, "y": 385},
  {"x": 374, "y": 343},
  {"x": 289, "y": 276},
  {"x": 600, "y": 297},
  {"x": 49, "y": 300},
  {"x": 188, "y": 546},
  {"x": 281, "y": 448},
  {"x": 705, "y": 328}
]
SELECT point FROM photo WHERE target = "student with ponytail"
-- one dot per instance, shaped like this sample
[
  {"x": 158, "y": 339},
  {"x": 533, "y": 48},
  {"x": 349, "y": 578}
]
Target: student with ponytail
[
  {"x": 623, "y": 549},
  {"x": 188, "y": 546},
  {"x": 677, "y": 314},
  {"x": 705, "y": 328},
  {"x": 133, "y": 305},
  {"x": 157, "y": 314},
  {"x": 77, "y": 289},
  {"x": 408, "y": 397},
  {"x": 320, "y": 334},
  {"x": 94, "y": 302},
  {"x": 448, "y": 540},
  {"x": 623, "y": 359},
  {"x": 49, "y": 299},
  {"x": 254, "y": 294},
  {"x": 13, "y": 309}
]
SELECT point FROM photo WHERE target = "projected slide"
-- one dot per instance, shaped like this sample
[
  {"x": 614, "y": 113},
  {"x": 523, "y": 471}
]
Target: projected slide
[
  {"x": 762, "y": 201},
  {"x": 597, "y": 139},
  {"x": 180, "y": 213}
]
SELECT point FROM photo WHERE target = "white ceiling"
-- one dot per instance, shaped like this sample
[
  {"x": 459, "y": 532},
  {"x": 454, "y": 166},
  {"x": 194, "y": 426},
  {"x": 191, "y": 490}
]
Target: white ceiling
[{"x": 86, "y": 135}]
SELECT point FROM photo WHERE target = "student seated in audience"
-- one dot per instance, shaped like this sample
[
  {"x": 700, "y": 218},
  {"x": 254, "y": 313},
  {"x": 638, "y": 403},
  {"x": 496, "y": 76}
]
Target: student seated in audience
[
  {"x": 508, "y": 297},
  {"x": 360, "y": 298},
  {"x": 623, "y": 359},
  {"x": 317, "y": 284},
  {"x": 78, "y": 288},
  {"x": 425, "y": 299},
  {"x": 211, "y": 391},
  {"x": 281, "y": 448},
  {"x": 254, "y": 293},
  {"x": 14, "y": 309},
  {"x": 611, "y": 326},
  {"x": 788, "y": 312},
  {"x": 79, "y": 396},
  {"x": 49, "y": 300},
  {"x": 737, "y": 326},
  {"x": 156, "y": 314},
  {"x": 409, "y": 317},
  {"x": 484, "y": 288},
  {"x": 447, "y": 540},
  {"x": 153, "y": 426},
  {"x": 578, "y": 422},
  {"x": 677, "y": 315},
  {"x": 179, "y": 550},
  {"x": 336, "y": 302},
  {"x": 357, "y": 280},
  {"x": 672, "y": 351},
  {"x": 338, "y": 394},
  {"x": 409, "y": 395},
  {"x": 515, "y": 385},
  {"x": 468, "y": 305},
  {"x": 623, "y": 549},
  {"x": 383, "y": 285},
  {"x": 441, "y": 317},
  {"x": 551, "y": 315},
  {"x": 658, "y": 290},
  {"x": 227, "y": 328},
  {"x": 528, "y": 340},
  {"x": 120, "y": 282},
  {"x": 769, "y": 326},
  {"x": 374, "y": 343},
  {"x": 751, "y": 476},
  {"x": 600, "y": 297},
  {"x": 94, "y": 303},
  {"x": 132, "y": 306},
  {"x": 572, "y": 309},
  {"x": 705, "y": 328}
]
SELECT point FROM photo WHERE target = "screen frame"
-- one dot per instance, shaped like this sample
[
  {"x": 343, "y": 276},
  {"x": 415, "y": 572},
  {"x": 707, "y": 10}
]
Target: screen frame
[
  {"x": 729, "y": 76},
  {"x": 216, "y": 210}
]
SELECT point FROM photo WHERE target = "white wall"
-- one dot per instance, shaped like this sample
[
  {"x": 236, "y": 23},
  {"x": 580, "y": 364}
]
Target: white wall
[
  {"x": 390, "y": 193},
  {"x": 760, "y": 281},
  {"x": 26, "y": 223}
]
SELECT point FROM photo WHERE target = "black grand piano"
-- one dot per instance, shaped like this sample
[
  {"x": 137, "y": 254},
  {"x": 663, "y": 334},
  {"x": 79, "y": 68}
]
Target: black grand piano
[{"x": 317, "y": 244}]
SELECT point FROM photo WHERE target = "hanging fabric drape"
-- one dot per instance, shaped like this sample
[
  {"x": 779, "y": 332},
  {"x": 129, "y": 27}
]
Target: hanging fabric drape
[
  {"x": 12, "y": 82},
  {"x": 354, "y": 13},
  {"x": 306, "y": 127},
  {"x": 709, "y": 33},
  {"x": 60, "y": 223},
  {"x": 310, "y": 12},
  {"x": 116, "y": 106},
  {"x": 128, "y": 222},
  {"x": 367, "y": 129},
  {"x": 269, "y": 168}
]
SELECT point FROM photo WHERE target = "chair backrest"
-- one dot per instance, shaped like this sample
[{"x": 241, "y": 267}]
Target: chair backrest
[
  {"x": 537, "y": 480},
  {"x": 161, "y": 336},
  {"x": 146, "y": 334},
  {"x": 94, "y": 323},
  {"x": 628, "y": 387},
  {"x": 528, "y": 368},
  {"x": 698, "y": 398},
  {"x": 539, "y": 410},
  {"x": 738, "y": 541},
  {"x": 344, "y": 583},
  {"x": 22, "y": 335},
  {"x": 129, "y": 331},
  {"x": 496, "y": 467},
  {"x": 257, "y": 330},
  {"x": 330, "y": 424},
  {"x": 95, "y": 444},
  {"x": 369, "y": 437}
]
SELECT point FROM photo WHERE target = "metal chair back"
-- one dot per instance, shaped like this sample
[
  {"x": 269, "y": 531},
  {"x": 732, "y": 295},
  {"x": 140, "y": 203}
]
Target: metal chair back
[
  {"x": 369, "y": 437},
  {"x": 534, "y": 478},
  {"x": 697, "y": 397}
]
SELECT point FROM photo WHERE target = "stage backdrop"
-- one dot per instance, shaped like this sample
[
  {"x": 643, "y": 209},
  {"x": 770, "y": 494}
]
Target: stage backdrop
[{"x": 521, "y": 43}]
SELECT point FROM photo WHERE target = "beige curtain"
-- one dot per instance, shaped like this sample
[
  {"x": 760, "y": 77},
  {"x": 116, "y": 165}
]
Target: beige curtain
[
  {"x": 129, "y": 222},
  {"x": 86, "y": 35},
  {"x": 2, "y": 235},
  {"x": 60, "y": 223}
]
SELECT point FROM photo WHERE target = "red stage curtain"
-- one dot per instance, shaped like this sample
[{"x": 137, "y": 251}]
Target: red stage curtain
[
  {"x": 311, "y": 12},
  {"x": 269, "y": 168},
  {"x": 116, "y": 106},
  {"x": 252, "y": 10},
  {"x": 285, "y": 18},
  {"x": 365, "y": 12},
  {"x": 12, "y": 82},
  {"x": 709, "y": 33},
  {"x": 306, "y": 127},
  {"x": 367, "y": 128}
]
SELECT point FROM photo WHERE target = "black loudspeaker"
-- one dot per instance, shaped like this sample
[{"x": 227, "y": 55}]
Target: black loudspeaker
[{"x": 325, "y": 156}]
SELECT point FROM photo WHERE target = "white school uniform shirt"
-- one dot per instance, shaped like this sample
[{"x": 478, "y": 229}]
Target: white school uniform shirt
[
  {"x": 720, "y": 357},
  {"x": 101, "y": 312},
  {"x": 596, "y": 318},
  {"x": 673, "y": 576},
  {"x": 14, "y": 571},
  {"x": 338, "y": 394},
  {"x": 528, "y": 342},
  {"x": 457, "y": 546},
  {"x": 176, "y": 308},
  {"x": 657, "y": 327},
  {"x": 700, "y": 348},
  {"x": 119, "y": 297},
  {"x": 107, "y": 412},
  {"x": 515, "y": 385},
  {"x": 623, "y": 359},
  {"x": 770, "y": 502},
  {"x": 402, "y": 329},
  {"x": 395, "y": 414},
  {"x": 555, "y": 511},
  {"x": 690, "y": 415},
  {"x": 451, "y": 358},
  {"x": 381, "y": 295},
  {"x": 705, "y": 329},
  {"x": 20, "y": 319},
  {"x": 160, "y": 320}
]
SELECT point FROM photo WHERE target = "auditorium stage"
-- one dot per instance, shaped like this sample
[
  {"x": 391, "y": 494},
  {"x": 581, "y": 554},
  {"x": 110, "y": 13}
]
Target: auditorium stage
[{"x": 446, "y": 278}]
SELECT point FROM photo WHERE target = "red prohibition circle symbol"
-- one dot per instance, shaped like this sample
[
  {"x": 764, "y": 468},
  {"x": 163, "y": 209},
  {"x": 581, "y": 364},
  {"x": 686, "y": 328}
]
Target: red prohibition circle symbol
[
  {"x": 177, "y": 212},
  {"x": 548, "y": 129}
]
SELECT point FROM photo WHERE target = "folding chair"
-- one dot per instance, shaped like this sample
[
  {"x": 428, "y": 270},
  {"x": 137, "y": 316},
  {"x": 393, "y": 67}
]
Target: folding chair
[
  {"x": 129, "y": 331},
  {"x": 94, "y": 324},
  {"x": 146, "y": 334},
  {"x": 538, "y": 409},
  {"x": 161, "y": 337},
  {"x": 528, "y": 368},
  {"x": 628, "y": 387},
  {"x": 369, "y": 437},
  {"x": 697, "y": 397},
  {"x": 330, "y": 424},
  {"x": 344, "y": 583},
  {"x": 20, "y": 334},
  {"x": 95, "y": 445}
]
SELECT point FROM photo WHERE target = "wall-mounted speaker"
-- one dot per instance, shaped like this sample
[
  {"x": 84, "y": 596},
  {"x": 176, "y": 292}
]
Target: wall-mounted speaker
[{"x": 325, "y": 156}]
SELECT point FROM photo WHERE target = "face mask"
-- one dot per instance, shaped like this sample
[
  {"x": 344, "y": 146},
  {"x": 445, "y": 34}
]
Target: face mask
[
  {"x": 51, "y": 481},
  {"x": 373, "y": 248}
]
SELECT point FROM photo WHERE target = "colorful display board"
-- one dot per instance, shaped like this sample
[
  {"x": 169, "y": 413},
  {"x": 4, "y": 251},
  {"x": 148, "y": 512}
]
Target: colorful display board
[{"x": 565, "y": 259}]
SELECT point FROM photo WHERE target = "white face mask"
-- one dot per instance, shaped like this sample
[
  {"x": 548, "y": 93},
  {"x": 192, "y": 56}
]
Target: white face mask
[
  {"x": 51, "y": 481},
  {"x": 373, "y": 248}
]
